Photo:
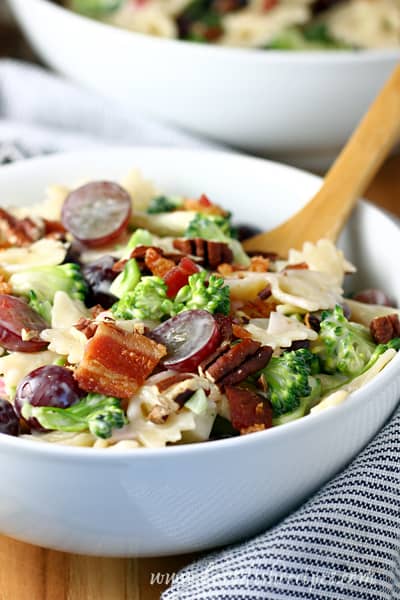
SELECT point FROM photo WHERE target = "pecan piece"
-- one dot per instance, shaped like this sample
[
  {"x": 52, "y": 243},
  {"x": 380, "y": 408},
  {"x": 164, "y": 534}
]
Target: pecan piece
[
  {"x": 249, "y": 411},
  {"x": 384, "y": 329},
  {"x": 258, "y": 308},
  {"x": 259, "y": 264},
  {"x": 211, "y": 254},
  {"x": 253, "y": 364},
  {"x": 232, "y": 359},
  {"x": 87, "y": 326},
  {"x": 265, "y": 293}
]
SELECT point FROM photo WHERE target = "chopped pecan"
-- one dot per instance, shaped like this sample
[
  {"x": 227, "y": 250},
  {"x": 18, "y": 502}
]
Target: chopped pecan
[
  {"x": 96, "y": 310},
  {"x": 232, "y": 359},
  {"x": 165, "y": 383},
  {"x": 249, "y": 411},
  {"x": 87, "y": 326},
  {"x": 251, "y": 365},
  {"x": 211, "y": 254},
  {"x": 222, "y": 349},
  {"x": 156, "y": 263},
  {"x": 116, "y": 362},
  {"x": 225, "y": 269},
  {"x": 265, "y": 293},
  {"x": 259, "y": 264},
  {"x": 20, "y": 232},
  {"x": 384, "y": 329}
]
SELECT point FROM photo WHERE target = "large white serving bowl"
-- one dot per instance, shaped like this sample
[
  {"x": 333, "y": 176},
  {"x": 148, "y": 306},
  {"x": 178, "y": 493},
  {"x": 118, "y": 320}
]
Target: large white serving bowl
[
  {"x": 188, "y": 498},
  {"x": 299, "y": 106}
]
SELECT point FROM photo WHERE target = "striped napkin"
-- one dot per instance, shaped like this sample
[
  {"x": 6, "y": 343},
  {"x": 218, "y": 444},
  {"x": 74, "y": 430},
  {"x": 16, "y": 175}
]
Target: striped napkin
[{"x": 343, "y": 544}]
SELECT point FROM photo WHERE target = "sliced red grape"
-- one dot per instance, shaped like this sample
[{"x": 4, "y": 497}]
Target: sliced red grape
[
  {"x": 97, "y": 213},
  {"x": 189, "y": 338},
  {"x": 47, "y": 386},
  {"x": 15, "y": 317},
  {"x": 373, "y": 296}
]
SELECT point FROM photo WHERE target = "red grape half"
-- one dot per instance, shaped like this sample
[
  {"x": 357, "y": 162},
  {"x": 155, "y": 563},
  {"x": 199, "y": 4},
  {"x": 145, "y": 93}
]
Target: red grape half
[
  {"x": 97, "y": 213},
  {"x": 15, "y": 316},
  {"x": 189, "y": 338}
]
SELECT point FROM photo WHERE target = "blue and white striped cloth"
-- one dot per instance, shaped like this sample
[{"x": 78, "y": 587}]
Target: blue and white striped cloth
[{"x": 344, "y": 543}]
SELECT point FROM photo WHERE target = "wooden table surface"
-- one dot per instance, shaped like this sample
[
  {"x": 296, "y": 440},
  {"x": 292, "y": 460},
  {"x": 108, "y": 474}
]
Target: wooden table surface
[{"x": 31, "y": 573}]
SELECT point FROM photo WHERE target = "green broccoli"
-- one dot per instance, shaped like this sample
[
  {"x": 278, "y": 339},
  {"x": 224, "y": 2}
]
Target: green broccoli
[
  {"x": 217, "y": 229},
  {"x": 97, "y": 413},
  {"x": 141, "y": 237},
  {"x": 291, "y": 386},
  {"x": 127, "y": 280},
  {"x": 39, "y": 285},
  {"x": 343, "y": 346},
  {"x": 211, "y": 295},
  {"x": 164, "y": 204},
  {"x": 43, "y": 307},
  {"x": 147, "y": 301},
  {"x": 95, "y": 8}
]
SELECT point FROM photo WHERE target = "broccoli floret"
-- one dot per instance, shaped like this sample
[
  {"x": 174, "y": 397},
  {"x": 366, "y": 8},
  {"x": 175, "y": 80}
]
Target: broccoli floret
[
  {"x": 164, "y": 204},
  {"x": 39, "y": 284},
  {"x": 97, "y": 413},
  {"x": 43, "y": 307},
  {"x": 147, "y": 301},
  {"x": 380, "y": 349},
  {"x": 95, "y": 8},
  {"x": 127, "y": 280},
  {"x": 141, "y": 237},
  {"x": 212, "y": 295},
  {"x": 288, "y": 379},
  {"x": 217, "y": 229},
  {"x": 343, "y": 346}
]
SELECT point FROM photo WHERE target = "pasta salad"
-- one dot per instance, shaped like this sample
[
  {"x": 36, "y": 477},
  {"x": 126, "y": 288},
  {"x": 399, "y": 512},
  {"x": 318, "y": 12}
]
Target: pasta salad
[
  {"x": 268, "y": 24},
  {"x": 130, "y": 318}
]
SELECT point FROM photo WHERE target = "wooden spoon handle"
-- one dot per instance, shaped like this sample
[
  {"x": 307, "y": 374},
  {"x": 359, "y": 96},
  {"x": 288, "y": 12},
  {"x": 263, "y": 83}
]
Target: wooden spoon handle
[{"x": 357, "y": 164}]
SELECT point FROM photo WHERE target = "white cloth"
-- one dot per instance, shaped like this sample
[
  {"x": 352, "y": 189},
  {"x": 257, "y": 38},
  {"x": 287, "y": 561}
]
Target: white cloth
[{"x": 41, "y": 112}]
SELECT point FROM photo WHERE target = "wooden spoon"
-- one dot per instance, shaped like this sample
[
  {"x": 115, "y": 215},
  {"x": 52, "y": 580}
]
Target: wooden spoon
[{"x": 325, "y": 215}]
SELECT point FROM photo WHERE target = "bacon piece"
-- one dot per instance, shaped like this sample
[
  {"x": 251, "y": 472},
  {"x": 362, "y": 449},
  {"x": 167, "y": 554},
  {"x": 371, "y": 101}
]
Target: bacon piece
[
  {"x": 156, "y": 263},
  {"x": 20, "y": 232},
  {"x": 229, "y": 361},
  {"x": 249, "y": 412},
  {"x": 116, "y": 362},
  {"x": 384, "y": 329},
  {"x": 253, "y": 364},
  {"x": 258, "y": 308}
]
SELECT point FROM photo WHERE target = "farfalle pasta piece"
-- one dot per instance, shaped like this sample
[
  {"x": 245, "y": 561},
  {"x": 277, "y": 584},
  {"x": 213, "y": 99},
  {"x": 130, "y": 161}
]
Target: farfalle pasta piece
[
  {"x": 279, "y": 331},
  {"x": 323, "y": 256},
  {"x": 43, "y": 253},
  {"x": 305, "y": 289},
  {"x": 364, "y": 313}
]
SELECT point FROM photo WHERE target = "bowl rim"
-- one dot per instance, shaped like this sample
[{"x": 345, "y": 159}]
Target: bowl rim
[
  {"x": 79, "y": 453},
  {"x": 331, "y": 57}
]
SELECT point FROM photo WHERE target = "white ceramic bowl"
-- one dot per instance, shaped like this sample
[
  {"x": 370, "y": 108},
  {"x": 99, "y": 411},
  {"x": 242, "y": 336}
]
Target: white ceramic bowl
[
  {"x": 299, "y": 106},
  {"x": 187, "y": 498}
]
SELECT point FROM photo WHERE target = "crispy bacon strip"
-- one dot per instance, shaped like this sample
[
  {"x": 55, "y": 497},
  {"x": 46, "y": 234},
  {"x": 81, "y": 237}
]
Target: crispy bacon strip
[
  {"x": 156, "y": 263},
  {"x": 116, "y": 362},
  {"x": 249, "y": 412}
]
